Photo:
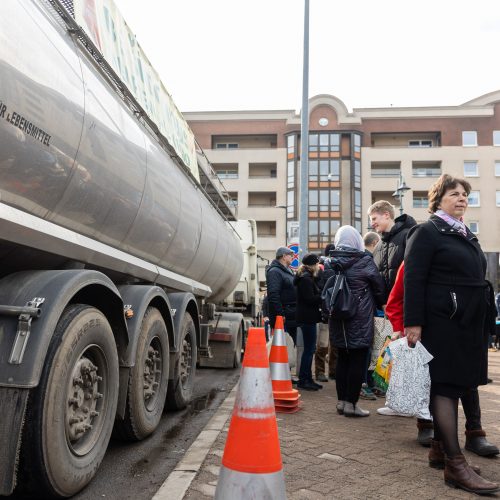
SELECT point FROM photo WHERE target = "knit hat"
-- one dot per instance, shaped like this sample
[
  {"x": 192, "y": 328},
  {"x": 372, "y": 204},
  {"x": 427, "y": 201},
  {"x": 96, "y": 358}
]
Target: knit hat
[
  {"x": 310, "y": 259},
  {"x": 283, "y": 251}
]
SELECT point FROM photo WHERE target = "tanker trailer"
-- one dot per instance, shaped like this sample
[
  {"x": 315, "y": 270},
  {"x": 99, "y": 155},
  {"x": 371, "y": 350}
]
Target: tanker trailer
[{"x": 110, "y": 253}]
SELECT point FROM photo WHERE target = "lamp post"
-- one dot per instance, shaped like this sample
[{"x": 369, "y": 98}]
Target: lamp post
[
  {"x": 286, "y": 222},
  {"x": 400, "y": 192}
]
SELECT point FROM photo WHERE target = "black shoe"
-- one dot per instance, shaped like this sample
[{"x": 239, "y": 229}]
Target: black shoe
[
  {"x": 476, "y": 442},
  {"x": 489, "y": 381},
  {"x": 425, "y": 436},
  {"x": 307, "y": 386},
  {"x": 319, "y": 386},
  {"x": 294, "y": 381}
]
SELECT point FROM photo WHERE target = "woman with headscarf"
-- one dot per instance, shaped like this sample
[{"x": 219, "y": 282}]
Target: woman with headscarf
[
  {"x": 353, "y": 337},
  {"x": 449, "y": 306}
]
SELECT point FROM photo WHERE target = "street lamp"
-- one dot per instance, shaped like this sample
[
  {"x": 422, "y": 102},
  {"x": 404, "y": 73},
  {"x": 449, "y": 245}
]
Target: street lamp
[
  {"x": 400, "y": 192},
  {"x": 286, "y": 222}
]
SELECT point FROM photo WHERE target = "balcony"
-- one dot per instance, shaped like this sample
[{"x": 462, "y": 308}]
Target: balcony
[
  {"x": 385, "y": 169},
  {"x": 426, "y": 168},
  {"x": 261, "y": 199},
  {"x": 266, "y": 228},
  {"x": 226, "y": 170},
  {"x": 249, "y": 141},
  {"x": 262, "y": 170},
  {"x": 406, "y": 140}
]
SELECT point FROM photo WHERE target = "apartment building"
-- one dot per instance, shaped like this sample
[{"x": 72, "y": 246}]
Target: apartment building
[{"x": 355, "y": 158}]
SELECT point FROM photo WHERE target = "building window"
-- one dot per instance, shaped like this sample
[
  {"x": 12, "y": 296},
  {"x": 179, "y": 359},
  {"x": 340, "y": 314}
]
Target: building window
[
  {"x": 471, "y": 169},
  {"x": 290, "y": 144},
  {"x": 335, "y": 142},
  {"x": 474, "y": 200},
  {"x": 357, "y": 204},
  {"x": 357, "y": 174},
  {"x": 469, "y": 138},
  {"x": 357, "y": 143},
  {"x": 290, "y": 204},
  {"x": 226, "y": 145},
  {"x": 324, "y": 170},
  {"x": 497, "y": 168},
  {"x": 324, "y": 200},
  {"x": 424, "y": 143},
  {"x": 324, "y": 143},
  {"x": 496, "y": 137},
  {"x": 420, "y": 200},
  {"x": 474, "y": 227},
  {"x": 498, "y": 198},
  {"x": 290, "y": 174}
]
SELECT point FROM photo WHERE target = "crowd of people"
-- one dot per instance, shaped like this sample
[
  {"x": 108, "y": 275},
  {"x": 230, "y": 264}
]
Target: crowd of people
[{"x": 429, "y": 281}]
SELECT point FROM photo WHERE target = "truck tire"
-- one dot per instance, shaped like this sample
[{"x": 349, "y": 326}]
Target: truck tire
[
  {"x": 238, "y": 349},
  {"x": 71, "y": 412},
  {"x": 180, "y": 390},
  {"x": 147, "y": 388}
]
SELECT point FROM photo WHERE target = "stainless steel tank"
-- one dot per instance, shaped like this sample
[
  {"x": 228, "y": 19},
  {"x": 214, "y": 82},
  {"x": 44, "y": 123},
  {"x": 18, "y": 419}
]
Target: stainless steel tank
[{"x": 72, "y": 154}]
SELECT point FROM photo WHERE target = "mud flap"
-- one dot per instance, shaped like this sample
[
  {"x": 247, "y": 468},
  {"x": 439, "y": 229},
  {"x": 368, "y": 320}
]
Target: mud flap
[{"x": 13, "y": 404}]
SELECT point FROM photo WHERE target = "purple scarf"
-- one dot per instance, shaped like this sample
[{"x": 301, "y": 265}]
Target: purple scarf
[{"x": 454, "y": 223}]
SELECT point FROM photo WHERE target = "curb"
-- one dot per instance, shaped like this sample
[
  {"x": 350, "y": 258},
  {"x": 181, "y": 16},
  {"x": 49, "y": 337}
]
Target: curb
[{"x": 179, "y": 480}]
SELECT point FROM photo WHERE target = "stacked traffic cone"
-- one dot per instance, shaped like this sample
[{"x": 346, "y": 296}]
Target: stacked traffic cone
[
  {"x": 286, "y": 398},
  {"x": 251, "y": 464}
]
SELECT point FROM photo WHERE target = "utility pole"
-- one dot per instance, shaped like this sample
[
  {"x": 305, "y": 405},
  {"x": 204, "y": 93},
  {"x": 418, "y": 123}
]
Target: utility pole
[{"x": 303, "y": 189}]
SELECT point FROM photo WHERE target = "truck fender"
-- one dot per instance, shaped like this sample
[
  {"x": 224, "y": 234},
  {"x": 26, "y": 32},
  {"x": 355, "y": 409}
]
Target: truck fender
[
  {"x": 180, "y": 303},
  {"x": 139, "y": 298},
  {"x": 58, "y": 288}
]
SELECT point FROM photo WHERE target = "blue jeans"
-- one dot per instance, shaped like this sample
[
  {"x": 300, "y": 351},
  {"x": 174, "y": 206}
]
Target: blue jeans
[{"x": 309, "y": 333}]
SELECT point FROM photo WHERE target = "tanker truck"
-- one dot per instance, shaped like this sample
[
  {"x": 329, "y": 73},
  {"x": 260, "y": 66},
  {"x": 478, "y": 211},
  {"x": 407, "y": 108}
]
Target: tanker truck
[{"x": 113, "y": 258}]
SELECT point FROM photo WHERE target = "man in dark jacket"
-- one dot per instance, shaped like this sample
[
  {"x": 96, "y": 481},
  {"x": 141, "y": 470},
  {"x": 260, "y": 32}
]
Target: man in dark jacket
[
  {"x": 388, "y": 255},
  {"x": 281, "y": 291},
  {"x": 389, "y": 252}
]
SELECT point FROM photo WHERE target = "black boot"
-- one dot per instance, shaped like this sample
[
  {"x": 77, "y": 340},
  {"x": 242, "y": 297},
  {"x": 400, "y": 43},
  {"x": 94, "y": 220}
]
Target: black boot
[
  {"x": 425, "y": 432},
  {"x": 476, "y": 442}
]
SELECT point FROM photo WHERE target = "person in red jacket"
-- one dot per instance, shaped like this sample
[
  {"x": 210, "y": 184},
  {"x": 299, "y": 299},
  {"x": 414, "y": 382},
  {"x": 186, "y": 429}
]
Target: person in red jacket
[
  {"x": 475, "y": 436},
  {"x": 394, "y": 306}
]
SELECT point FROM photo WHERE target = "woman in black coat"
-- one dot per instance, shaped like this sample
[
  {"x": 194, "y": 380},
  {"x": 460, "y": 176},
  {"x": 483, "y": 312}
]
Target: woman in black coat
[
  {"x": 448, "y": 306},
  {"x": 308, "y": 315},
  {"x": 353, "y": 337}
]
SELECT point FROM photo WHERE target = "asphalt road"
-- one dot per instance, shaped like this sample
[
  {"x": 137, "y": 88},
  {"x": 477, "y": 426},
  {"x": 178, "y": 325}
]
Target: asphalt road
[{"x": 137, "y": 470}]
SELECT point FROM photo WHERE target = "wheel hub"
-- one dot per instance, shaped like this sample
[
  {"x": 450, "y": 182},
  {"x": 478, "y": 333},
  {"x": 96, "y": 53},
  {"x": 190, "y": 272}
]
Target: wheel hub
[
  {"x": 152, "y": 373},
  {"x": 185, "y": 361},
  {"x": 82, "y": 400}
]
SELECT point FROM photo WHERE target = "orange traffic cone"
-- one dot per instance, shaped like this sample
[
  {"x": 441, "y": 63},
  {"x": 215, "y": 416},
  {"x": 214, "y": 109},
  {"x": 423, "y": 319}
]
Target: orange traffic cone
[
  {"x": 286, "y": 398},
  {"x": 251, "y": 464}
]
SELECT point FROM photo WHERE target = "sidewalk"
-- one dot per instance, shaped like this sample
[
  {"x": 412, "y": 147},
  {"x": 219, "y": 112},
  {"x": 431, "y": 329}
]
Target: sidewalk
[{"x": 328, "y": 456}]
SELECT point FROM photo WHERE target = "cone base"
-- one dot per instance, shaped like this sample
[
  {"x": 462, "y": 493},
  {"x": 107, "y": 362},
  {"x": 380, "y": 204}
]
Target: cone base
[
  {"x": 245, "y": 486},
  {"x": 288, "y": 409},
  {"x": 287, "y": 402},
  {"x": 292, "y": 394}
]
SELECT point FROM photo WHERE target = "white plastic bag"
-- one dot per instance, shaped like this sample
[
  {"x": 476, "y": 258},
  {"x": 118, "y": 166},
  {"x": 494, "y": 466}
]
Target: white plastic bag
[{"x": 410, "y": 384}]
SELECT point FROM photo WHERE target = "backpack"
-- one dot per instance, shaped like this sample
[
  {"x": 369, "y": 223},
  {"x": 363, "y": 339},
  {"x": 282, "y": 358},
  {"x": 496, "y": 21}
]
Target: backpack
[{"x": 337, "y": 301}]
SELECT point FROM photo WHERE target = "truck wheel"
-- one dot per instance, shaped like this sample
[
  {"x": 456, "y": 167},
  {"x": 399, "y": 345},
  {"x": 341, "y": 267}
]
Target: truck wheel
[
  {"x": 180, "y": 390},
  {"x": 238, "y": 349},
  {"x": 71, "y": 412},
  {"x": 147, "y": 388}
]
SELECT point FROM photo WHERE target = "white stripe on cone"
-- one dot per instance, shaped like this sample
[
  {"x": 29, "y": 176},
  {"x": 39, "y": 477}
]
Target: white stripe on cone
[
  {"x": 279, "y": 338},
  {"x": 280, "y": 371},
  {"x": 246, "y": 486},
  {"x": 254, "y": 398}
]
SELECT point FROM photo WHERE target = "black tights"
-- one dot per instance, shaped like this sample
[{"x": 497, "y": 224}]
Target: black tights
[{"x": 445, "y": 413}]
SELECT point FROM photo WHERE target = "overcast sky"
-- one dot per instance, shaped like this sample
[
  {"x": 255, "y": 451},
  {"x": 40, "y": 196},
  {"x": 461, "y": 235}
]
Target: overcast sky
[{"x": 242, "y": 54}]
